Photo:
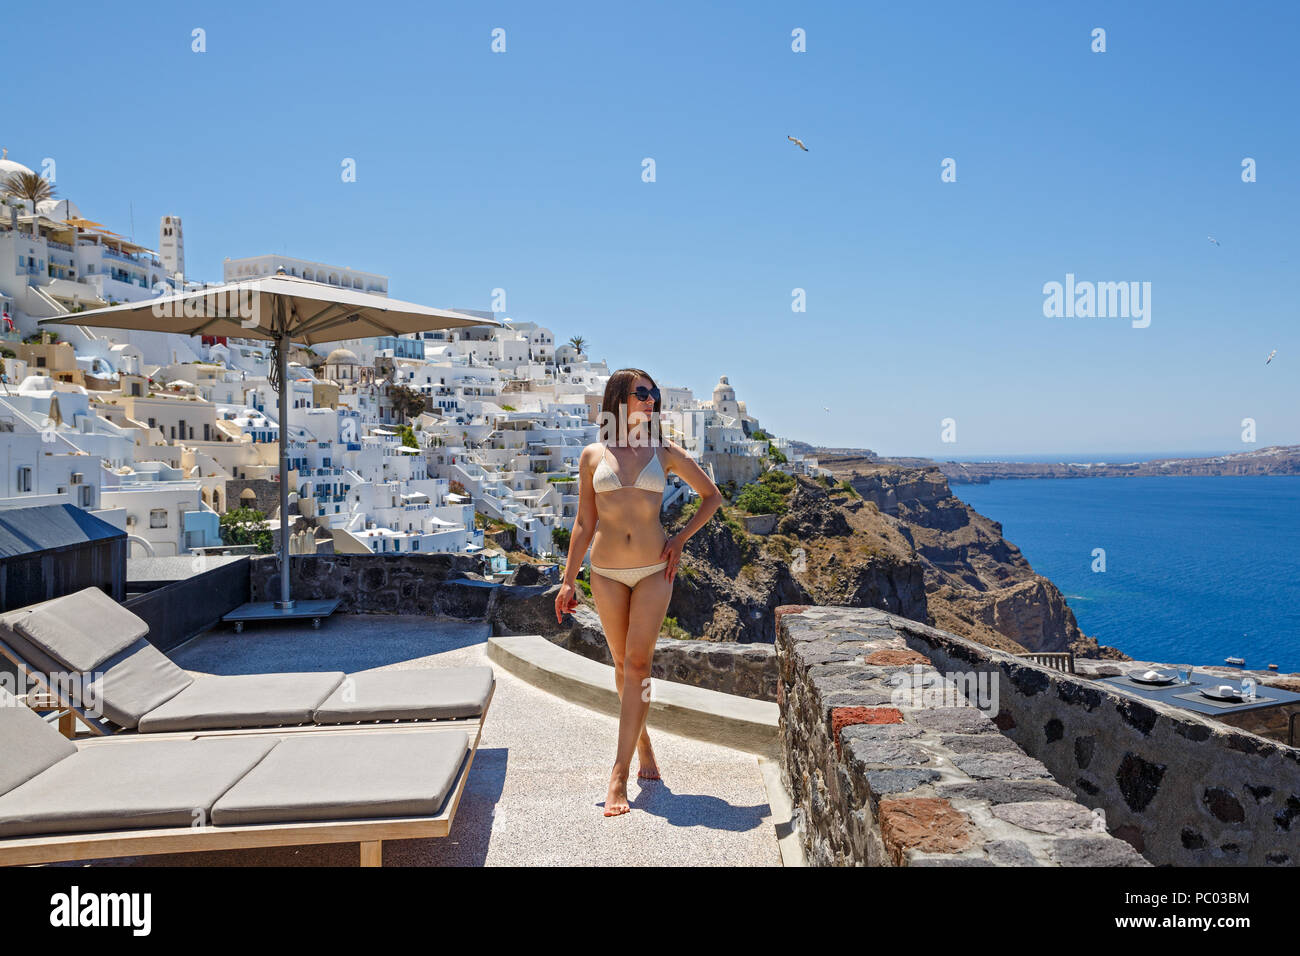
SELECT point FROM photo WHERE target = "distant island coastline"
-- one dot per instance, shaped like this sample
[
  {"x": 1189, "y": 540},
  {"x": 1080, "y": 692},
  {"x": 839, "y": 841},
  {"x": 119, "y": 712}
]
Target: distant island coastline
[{"x": 1273, "y": 460}]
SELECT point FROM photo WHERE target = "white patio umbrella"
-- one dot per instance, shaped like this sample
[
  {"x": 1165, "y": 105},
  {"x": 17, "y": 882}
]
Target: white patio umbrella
[{"x": 278, "y": 308}]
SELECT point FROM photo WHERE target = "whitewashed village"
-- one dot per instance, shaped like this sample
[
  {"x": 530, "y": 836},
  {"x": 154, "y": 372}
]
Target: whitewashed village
[{"x": 452, "y": 441}]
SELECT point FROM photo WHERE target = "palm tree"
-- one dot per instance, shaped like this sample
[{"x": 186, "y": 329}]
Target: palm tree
[
  {"x": 30, "y": 186},
  {"x": 578, "y": 342}
]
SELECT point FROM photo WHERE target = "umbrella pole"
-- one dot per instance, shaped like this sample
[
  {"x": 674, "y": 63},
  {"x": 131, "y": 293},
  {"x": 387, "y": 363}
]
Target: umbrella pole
[{"x": 285, "y": 603}]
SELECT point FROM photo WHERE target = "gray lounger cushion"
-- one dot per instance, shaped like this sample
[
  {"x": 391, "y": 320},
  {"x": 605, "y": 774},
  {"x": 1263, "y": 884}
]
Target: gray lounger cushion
[
  {"x": 131, "y": 784},
  {"x": 348, "y": 776},
  {"x": 32, "y": 656},
  {"x": 135, "y": 682},
  {"x": 420, "y": 694},
  {"x": 81, "y": 630},
  {"x": 126, "y": 686},
  {"x": 215, "y": 702},
  {"x": 28, "y": 745}
]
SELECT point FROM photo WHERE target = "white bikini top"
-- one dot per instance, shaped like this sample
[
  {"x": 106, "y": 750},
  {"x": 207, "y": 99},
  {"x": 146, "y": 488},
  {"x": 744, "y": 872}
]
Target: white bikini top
[{"x": 651, "y": 477}]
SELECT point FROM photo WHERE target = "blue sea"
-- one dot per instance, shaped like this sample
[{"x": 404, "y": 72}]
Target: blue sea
[{"x": 1196, "y": 569}]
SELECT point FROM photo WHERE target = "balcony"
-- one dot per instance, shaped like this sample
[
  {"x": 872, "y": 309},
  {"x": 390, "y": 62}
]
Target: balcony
[{"x": 135, "y": 260}]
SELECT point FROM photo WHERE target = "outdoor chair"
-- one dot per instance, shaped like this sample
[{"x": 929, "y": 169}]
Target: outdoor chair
[
  {"x": 102, "y": 798},
  {"x": 136, "y": 689}
]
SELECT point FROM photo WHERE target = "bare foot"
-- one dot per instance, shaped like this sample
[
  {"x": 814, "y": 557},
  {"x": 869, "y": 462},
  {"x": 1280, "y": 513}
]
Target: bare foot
[
  {"x": 648, "y": 770},
  {"x": 616, "y": 799}
]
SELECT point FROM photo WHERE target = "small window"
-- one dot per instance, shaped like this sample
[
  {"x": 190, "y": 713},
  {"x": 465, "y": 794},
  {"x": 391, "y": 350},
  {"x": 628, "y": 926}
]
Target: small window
[
  {"x": 24, "y": 479},
  {"x": 158, "y": 518}
]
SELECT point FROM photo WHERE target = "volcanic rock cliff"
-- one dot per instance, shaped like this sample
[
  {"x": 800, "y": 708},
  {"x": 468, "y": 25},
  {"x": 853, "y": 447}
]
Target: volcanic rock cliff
[
  {"x": 979, "y": 584},
  {"x": 822, "y": 551},
  {"x": 900, "y": 541}
]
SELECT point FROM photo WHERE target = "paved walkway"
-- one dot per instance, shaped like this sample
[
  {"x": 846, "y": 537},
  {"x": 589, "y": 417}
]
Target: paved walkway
[{"x": 536, "y": 792}]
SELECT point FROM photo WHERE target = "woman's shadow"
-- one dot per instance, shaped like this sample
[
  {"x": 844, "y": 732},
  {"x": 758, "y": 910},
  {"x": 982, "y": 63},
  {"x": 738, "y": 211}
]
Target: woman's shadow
[{"x": 695, "y": 809}]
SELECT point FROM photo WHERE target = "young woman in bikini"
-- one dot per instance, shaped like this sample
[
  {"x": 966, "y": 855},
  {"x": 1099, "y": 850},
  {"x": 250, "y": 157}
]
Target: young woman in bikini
[{"x": 620, "y": 492}]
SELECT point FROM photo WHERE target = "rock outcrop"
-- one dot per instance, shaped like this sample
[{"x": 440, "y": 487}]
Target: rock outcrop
[
  {"x": 903, "y": 543},
  {"x": 822, "y": 552},
  {"x": 977, "y": 583}
]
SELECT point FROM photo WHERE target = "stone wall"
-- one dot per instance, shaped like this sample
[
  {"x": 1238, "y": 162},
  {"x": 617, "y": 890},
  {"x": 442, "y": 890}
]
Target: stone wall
[
  {"x": 741, "y": 469},
  {"x": 1183, "y": 788},
  {"x": 877, "y": 780},
  {"x": 436, "y": 584},
  {"x": 266, "y": 495},
  {"x": 747, "y": 670}
]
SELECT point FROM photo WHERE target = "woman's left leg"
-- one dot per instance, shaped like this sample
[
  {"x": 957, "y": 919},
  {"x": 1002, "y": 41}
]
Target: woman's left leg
[{"x": 645, "y": 618}]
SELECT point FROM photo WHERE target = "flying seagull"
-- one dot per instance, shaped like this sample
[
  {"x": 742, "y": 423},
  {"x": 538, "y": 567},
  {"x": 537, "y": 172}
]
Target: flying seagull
[
  {"x": 798, "y": 142},
  {"x": 1213, "y": 240},
  {"x": 1270, "y": 356}
]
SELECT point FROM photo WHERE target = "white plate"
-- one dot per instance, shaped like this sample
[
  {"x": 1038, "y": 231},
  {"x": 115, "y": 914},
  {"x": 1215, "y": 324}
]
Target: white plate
[
  {"x": 1215, "y": 695},
  {"x": 1137, "y": 676}
]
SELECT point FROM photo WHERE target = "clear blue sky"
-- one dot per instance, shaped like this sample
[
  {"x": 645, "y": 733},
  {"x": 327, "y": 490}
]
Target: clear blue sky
[{"x": 924, "y": 299}]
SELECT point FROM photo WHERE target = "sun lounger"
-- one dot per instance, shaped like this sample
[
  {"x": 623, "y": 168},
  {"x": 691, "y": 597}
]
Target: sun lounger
[
  {"x": 60, "y": 801},
  {"x": 128, "y": 686}
]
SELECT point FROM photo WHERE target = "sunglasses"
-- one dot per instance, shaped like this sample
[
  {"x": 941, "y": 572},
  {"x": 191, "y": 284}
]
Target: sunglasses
[{"x": 642, "y": 393}]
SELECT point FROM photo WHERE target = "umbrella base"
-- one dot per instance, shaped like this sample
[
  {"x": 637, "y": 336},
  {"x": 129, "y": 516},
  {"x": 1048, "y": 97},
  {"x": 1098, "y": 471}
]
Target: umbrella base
[{"x": 272, "y": 611}]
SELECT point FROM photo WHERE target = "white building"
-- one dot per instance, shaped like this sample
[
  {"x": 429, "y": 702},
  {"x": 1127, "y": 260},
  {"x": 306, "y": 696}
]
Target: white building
[
  {"x": 171, "y": 246},
  {"x": 540, "y": 339},
  {"x": 35, "y": 470},
  {"x": 255, "y": 267},
  {"x": 54, "y": 261},
  {"x": 164, "y": 512}
]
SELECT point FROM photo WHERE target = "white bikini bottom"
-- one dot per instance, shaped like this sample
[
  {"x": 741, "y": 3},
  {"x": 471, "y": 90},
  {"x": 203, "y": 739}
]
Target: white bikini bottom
[{"x": 629, "y": 576}]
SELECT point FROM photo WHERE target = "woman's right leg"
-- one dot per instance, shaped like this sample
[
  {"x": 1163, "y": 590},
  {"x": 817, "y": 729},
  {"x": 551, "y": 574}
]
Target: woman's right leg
[{"x": 612, "y": 599}]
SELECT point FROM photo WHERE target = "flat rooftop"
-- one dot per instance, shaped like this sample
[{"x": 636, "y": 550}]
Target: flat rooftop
[{"x": 535, "y": 794}]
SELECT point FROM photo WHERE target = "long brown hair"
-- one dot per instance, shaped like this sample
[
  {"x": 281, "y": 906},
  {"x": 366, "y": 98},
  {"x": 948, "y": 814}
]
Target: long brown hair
[{"x": 617, "y": 390}]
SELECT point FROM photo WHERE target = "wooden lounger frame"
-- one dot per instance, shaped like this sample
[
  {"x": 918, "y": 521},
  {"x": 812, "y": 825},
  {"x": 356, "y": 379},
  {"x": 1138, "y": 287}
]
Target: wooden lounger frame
[{"x": 369, "y": 833}]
